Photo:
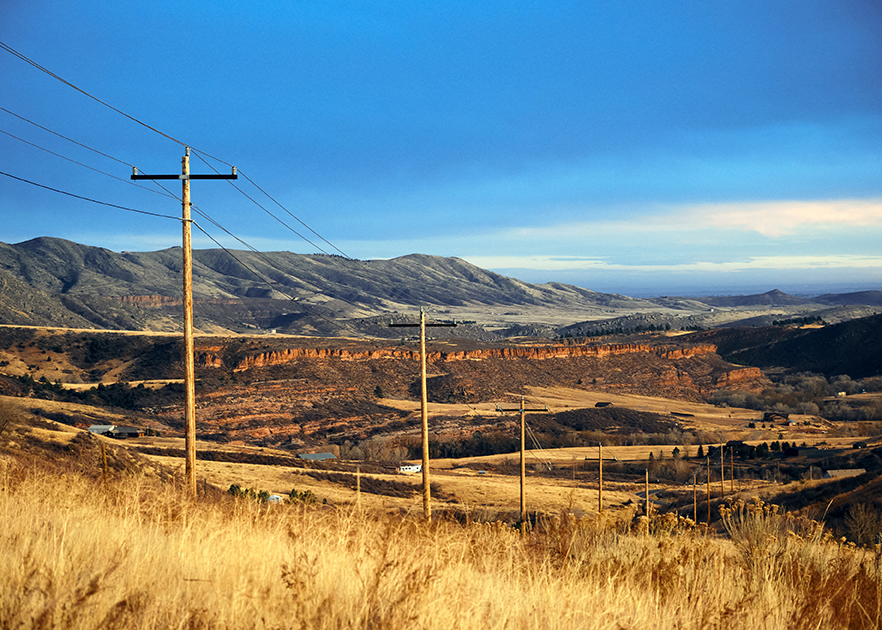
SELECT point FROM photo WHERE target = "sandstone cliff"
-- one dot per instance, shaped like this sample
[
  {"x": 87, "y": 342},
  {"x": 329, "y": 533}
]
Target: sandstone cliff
[{"x": 533, "y": 353}]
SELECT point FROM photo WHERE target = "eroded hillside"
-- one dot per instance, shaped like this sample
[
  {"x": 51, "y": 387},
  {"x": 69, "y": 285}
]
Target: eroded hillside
[{"x": 294, "y": 392}]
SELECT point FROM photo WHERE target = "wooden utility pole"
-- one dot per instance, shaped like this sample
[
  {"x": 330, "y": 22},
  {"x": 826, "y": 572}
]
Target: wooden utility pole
[
  {"x": 732, "y": 469},
  {"x": 424, "y": 406},
  {"x": 647, "y": 492},
  {"x": 189, "y": 363},
  {"x": 599, "y": 477},
  {"x": 695, "y": 498},
  {"x": 103, "y": 462},
  {"x": 523, "y": 409},
  {"x": 722, "y": 472},
  {"x": 707, "y": 464}
]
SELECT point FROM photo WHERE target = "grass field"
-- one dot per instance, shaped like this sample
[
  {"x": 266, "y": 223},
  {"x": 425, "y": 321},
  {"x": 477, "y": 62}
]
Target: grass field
[{"x": 133, "y": 553}]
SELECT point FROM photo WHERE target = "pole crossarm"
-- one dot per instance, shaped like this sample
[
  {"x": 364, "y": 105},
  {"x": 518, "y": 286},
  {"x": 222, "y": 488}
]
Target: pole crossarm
[
  {"x": 136, "y": 175},
  {"x": 503, "y": 409},
  {"x": 427, "y": 325}
]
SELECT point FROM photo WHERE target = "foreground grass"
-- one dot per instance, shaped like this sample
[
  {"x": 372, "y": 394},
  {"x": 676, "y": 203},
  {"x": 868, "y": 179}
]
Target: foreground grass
[{"x": 134, "y": 553}]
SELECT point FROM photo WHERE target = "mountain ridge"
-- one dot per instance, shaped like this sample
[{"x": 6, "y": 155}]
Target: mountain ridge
[{"x": 49, "y": 281}]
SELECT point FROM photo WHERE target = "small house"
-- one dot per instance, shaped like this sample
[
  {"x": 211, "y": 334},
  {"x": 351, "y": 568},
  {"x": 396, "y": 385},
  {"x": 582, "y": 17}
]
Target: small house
[{"x": 101, "y": 429}]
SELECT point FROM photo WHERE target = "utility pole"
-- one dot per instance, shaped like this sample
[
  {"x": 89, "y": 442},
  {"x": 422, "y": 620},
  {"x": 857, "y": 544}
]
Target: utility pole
[
  {"x": 732, "y": 469},
  {"x": 707, "y": 464},
  {"x": 722, "y": 472},
  {"x": 523, "y": 411},
  {"x": 695, "y": 498},
  {"x": 599, "y": 478},
  {"x": 647, "y": 493},
  {"x": 424, "y": 406},
  {"x": 189, "y": 365}
]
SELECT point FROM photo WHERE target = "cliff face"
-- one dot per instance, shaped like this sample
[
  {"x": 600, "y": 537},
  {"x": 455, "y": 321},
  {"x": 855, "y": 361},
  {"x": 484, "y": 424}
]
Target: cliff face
[
  {"x": 149, "y": 301},
  {"x": 745, "y": 379},
  {"x": 539, "y": 353}
]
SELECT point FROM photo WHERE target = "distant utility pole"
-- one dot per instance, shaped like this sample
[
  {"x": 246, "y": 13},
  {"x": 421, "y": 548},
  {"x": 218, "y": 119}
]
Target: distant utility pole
[
  {"x": 523, "y": 411},
  {"x": 732, "y": 469},
  {"x": 424, "y": 406},
  {"x": 189, "y": 365},
  {"x": 707, "y": 465}
]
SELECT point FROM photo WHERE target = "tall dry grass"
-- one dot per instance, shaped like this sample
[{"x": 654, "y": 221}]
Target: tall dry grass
[{"x": 136, "y": 553}]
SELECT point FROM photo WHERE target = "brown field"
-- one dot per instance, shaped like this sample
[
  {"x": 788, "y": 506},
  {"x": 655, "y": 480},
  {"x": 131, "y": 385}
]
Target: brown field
[{"x": 133, "y": 552}]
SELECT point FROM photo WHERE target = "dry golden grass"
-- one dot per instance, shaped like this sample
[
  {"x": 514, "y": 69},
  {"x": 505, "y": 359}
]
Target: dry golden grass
[{"x": 136, "y": 553}]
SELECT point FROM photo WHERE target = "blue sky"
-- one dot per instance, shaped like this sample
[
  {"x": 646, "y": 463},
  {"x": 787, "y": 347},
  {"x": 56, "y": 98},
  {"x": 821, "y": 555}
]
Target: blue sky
[{"x": 645, "y": 148}]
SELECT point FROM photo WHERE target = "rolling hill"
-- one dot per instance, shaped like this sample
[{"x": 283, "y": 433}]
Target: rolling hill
[{"x": 53, "y": 282}]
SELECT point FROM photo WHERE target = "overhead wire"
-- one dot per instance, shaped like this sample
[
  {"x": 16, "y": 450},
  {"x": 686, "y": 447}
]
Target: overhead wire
[
  {"x": 91, "y": 168},
  {"x": 255, "y": 202},
  {"x": 199, "y": 154},
  {"x": 33, "y": 63},
  {"x": 36, "y": 65},
  {"x": 103, "y": 203},
  {"x": 275, "y": 201},
  {"x": 27, "y": 120},
  {"x": 274, "y": 286},
  {"x": 547, "y": 461}
]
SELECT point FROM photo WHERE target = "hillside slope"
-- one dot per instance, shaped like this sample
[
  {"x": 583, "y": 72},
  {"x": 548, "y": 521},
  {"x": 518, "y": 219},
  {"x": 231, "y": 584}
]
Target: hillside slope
[
  {"x": 853, "y": 347},
  {"x": 50, "y": 282}
]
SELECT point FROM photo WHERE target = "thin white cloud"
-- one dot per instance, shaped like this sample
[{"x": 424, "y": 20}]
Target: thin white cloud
[
  {"x": 758, "y": 263},
  {"x": 773, "y": 219},
  {"x": 782, "y": 218}
]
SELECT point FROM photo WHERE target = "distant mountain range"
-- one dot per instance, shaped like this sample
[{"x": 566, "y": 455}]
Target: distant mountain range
[{"x": 53, "y": 282}]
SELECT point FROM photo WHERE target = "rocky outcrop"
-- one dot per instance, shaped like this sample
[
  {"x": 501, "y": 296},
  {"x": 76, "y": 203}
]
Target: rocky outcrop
[
  {"x": 533, "y": 353},
  {"x": 742, "y": 379},
  {"x": 156, "y": 301},
  {"x": 149, "y": 301}
]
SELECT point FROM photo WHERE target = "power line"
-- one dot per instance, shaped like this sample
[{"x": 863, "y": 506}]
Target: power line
[
  {"x": 268, "y": 283},
  {"x": 180, "y": 142},
  {"x": 103, "y": 203},
  {"x": 253, "y": 183},
  {"x": 255, "y": 202},
  {"x": 27, "y": 60},
  {"x": 91, "y": 168},
  {"x": 166, "y": 193},
  {"x": 64, "y": 137},
  {"x": 199, "y": 153},
  {"x": 36, "y": 65}
]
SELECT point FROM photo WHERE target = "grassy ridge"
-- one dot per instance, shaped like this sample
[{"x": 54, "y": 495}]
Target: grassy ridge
[{"x": 136, "y": 553}]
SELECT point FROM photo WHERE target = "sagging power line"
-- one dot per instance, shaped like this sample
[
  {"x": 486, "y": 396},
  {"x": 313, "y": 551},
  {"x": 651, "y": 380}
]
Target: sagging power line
[{"x": 197, "y": 152}]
